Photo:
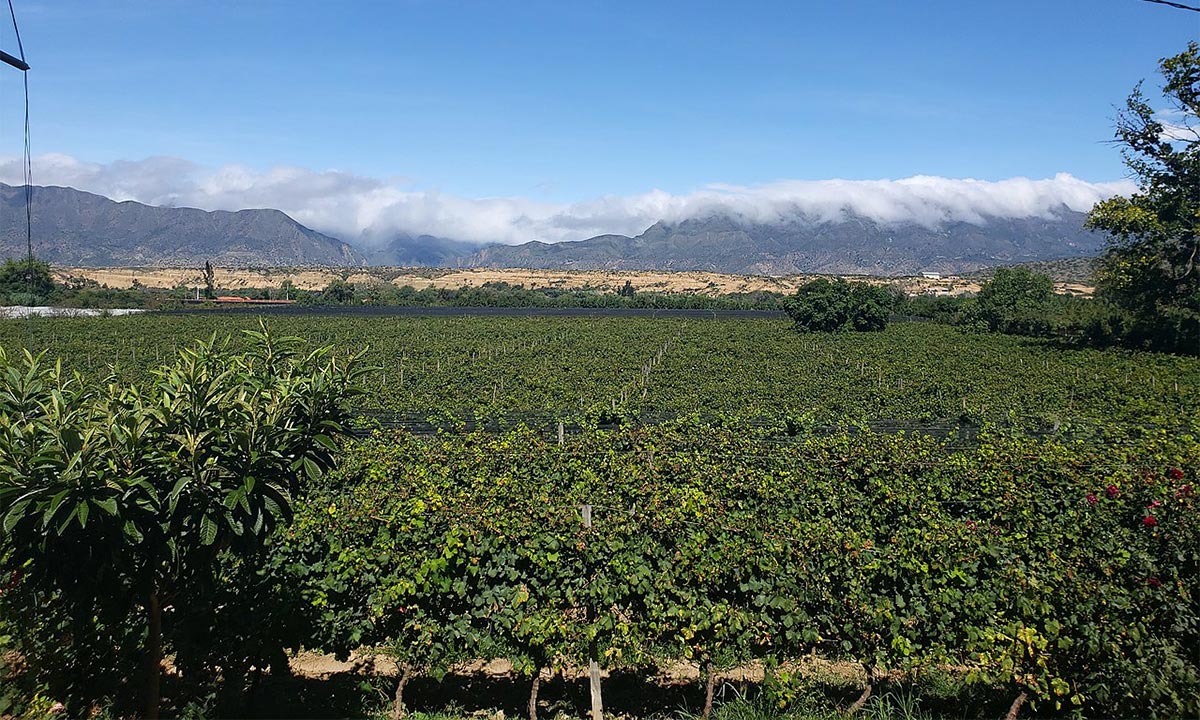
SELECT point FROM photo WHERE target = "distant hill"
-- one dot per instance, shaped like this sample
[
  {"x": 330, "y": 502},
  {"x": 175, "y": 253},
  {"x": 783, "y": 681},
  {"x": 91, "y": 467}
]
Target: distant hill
[
  {"x": 853, "y": 245},
  {"x": 1080, "y": 270},
  {"x": 71, "y": 227}
]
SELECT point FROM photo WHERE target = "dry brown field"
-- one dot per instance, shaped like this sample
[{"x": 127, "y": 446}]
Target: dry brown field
[{"x": 705, "y": 283}]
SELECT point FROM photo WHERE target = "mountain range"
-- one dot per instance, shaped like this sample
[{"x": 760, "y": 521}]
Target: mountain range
[
  {"x": 71, "y": 227},
  {"x": 851, "y": 245}
]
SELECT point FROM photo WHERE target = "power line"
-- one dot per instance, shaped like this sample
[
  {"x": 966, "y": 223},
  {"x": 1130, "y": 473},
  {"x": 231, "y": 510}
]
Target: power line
[
  {"x": 27, "y": 169},
  {"x": 13, "y": 14},
  {"x": 28, "y": 172},
  {"x": 1179, "y": 6}
]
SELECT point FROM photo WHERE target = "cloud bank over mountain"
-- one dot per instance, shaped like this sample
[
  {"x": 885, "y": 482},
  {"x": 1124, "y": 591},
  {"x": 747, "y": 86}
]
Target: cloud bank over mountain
[{"x": 369, "y": 210}]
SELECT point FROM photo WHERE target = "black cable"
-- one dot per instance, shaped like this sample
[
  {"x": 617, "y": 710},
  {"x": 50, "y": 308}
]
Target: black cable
[
  {"x": 27, "y": 162},
  {"x": 1174, "y": 5},
  {"x": 13, "y": 14},
  {"x": 28, "y": 170}
]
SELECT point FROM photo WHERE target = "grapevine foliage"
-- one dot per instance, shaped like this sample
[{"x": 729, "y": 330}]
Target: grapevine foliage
[{"x": 1030, "y": 564}]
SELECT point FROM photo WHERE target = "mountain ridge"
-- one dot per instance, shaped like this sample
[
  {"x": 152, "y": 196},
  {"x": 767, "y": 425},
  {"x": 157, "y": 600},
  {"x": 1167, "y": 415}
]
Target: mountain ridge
[
  {"x": 852, "y": 245},
  {"x": 75, "y": 227}
]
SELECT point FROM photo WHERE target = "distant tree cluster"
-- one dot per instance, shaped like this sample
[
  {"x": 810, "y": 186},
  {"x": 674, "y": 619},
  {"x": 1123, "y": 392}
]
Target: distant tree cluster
[
  {"x": 1016, "y": 301},
  {"x": 834, "y": 305},
  {"x": 25, "y": 283},
  {"x": 338, "y": 292},
  {"x": 503, "y": 294}
]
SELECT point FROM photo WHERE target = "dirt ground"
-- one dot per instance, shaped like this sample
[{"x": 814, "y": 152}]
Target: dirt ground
[{"x": 315, "y": 666}]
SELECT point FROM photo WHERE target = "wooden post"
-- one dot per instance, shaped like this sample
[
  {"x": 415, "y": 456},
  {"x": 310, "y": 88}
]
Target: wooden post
[
  {"x": 533, "y": 693},
  {"x": 593, "y": 662},
  {"x": 560, "y": 432},
  {"x": 153, "y": 686}
]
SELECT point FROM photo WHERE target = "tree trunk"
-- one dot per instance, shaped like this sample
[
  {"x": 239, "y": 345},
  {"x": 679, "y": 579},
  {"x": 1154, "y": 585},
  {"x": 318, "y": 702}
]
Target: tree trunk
[
  {"x": 153, "y": 687},
  {"x": 533, "y": 691},
  {"x": 232, "y": 693},
  {"x": 862, "y": 700},
  {"x": 1015, "y": 708},
  {"x": 252, "y": 693},
  {"x": 280, "y": 667},
  {"x": 710, "y": 682},
  {"x": 872, "y": 673},
  {"x": 399, "y": 712}
]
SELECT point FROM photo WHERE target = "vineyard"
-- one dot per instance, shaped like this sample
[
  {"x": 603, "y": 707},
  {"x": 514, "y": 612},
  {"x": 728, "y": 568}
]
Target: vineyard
[
  {"x": 1012, "y": 515},
  {"x": 1037, "y": 567},
  {"x": 543, "y": 370}
]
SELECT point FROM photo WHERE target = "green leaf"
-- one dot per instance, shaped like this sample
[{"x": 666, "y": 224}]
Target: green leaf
[
  {"x": 208, "y": 530},
  {"x": 14, "y": 516},
  {"x": 131, "y": 530}
]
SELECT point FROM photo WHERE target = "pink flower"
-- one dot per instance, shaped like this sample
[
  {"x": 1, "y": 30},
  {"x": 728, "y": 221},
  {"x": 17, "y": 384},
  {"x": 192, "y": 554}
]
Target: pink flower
[
  {"x": 1184, "y": 491},
  {"x": 1150, "y": 521},
  {"x": 1175, "y": 473},
  {"x": 1092, "y": 499},
  {"x": 1112, "y": 491},
  {"x": 1154, "y": 582},
  {"x": 970, "y": 524},
  {"x": 1154, "y": 504}
]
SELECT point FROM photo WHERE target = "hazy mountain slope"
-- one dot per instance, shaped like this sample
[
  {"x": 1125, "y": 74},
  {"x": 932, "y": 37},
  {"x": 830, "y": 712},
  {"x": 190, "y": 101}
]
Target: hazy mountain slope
[
  {"x": 852, "y": 245},
  {"x": 420, "y": 251},
  {"x": 72, "y": 227}
]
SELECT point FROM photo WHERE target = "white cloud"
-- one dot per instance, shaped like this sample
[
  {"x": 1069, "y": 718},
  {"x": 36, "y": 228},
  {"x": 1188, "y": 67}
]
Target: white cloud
[
  {"x": 1179, "y": 132},
  {"x": 1177, "y": 126},
  {"x": 354, "y": 207}
]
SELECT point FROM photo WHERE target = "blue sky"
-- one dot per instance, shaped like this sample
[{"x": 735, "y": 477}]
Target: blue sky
[{"x": 559, "y": 102}]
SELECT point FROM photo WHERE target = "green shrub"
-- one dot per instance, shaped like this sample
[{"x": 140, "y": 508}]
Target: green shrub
[{"x": 835, "y": 305}]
